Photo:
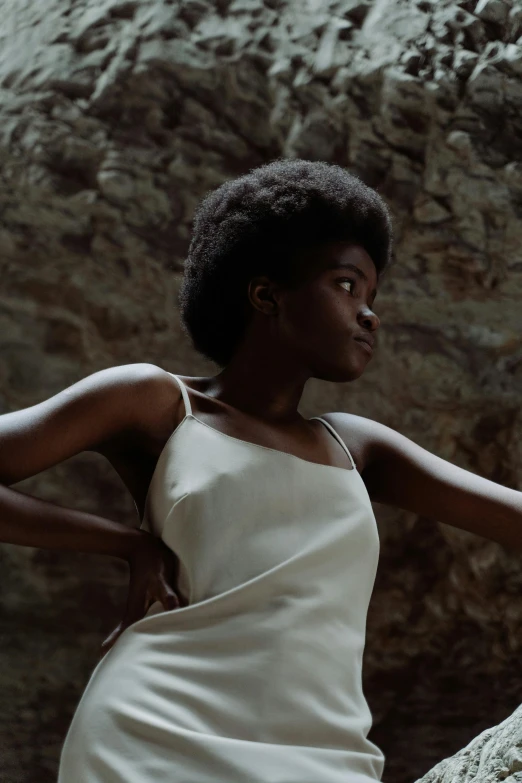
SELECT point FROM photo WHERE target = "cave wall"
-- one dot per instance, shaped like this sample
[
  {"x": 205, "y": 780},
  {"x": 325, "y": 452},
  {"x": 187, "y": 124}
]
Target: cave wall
[{"x": 115, "y": 119}]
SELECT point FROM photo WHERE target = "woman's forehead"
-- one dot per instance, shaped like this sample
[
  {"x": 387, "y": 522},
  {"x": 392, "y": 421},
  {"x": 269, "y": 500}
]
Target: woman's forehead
[{"x": 341, "y": 254}]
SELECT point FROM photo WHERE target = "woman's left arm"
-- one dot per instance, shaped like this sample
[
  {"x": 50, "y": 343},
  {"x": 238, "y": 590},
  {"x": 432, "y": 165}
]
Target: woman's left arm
[{"x": 400, "y": 473}]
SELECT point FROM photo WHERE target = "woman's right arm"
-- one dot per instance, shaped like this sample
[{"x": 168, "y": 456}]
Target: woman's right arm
[{"x": 86, "y": 414}]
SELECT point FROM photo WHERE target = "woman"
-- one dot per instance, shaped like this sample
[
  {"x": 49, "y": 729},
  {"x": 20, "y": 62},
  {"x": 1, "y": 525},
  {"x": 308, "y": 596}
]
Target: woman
[{"x": 239, "y": 656}]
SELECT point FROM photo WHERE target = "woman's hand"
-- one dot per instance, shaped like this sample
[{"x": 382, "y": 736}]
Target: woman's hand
[{"x": 153, "y": 577}]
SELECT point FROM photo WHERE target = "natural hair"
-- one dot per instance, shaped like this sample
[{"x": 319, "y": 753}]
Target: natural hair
[{"x": 263, "y": 223}]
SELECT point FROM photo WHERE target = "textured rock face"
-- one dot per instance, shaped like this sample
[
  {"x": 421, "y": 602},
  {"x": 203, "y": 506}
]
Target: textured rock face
[{"x": 116, "y": 118}]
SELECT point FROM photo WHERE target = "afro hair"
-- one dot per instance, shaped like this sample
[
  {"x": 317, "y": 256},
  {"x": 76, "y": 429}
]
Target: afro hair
[{"x": 260, "y": 224}]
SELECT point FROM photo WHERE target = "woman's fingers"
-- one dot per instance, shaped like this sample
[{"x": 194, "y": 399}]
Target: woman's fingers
[
  {"x": 138, "y": 602},
  {"x": 153, "y": 569},
  {"x": 109, "y": 641},
  {"x": 170, "y": 600}
]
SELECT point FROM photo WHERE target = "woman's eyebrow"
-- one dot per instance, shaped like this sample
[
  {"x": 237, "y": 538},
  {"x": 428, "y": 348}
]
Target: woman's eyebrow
[{"x": 354, "y": 268}]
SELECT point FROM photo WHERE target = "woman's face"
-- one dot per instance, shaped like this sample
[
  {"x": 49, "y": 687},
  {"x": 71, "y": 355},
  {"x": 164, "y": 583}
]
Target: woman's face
[{"x": 319, "y": 320}]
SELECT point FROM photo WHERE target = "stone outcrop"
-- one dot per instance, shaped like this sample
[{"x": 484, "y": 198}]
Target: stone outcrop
[{"x": 116, "y": 117}]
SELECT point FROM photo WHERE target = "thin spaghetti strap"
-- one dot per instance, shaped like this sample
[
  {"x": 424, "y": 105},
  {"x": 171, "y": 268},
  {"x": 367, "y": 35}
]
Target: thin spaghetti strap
[
  {"x": 188, "y": 407},
  {"x": 338, "y": 438}
]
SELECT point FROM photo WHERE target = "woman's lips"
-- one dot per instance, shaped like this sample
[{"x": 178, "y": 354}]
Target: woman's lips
[{"x": 367, "y": 347}]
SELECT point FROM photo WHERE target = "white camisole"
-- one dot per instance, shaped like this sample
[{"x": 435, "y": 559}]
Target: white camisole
[{"x": 258, "y": 679}]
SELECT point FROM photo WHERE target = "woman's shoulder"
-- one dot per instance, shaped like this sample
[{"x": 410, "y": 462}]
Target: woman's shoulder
[{"x": 356, "y": 432}]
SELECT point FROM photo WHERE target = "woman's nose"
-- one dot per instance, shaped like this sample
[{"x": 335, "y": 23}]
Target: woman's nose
[{"x": 369, "y": 319}]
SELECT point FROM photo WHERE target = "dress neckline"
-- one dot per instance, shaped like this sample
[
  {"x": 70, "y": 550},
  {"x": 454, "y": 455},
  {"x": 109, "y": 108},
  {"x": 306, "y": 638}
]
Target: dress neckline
[
  {"x": 267, "y": 448},
  {"x": 238, "y": 440},
  {"x": 188, "y": 412}
]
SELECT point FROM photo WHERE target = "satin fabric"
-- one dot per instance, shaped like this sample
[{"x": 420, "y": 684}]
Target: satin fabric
[{"x": 258, "y": 679}]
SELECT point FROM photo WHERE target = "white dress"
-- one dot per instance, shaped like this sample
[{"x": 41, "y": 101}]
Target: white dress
[{"x": 258, "y": 679}]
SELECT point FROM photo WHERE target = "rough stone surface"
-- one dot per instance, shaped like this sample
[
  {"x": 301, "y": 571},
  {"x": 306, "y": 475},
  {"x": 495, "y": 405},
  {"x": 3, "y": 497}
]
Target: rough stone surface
[{"x": 116, "y": 117}]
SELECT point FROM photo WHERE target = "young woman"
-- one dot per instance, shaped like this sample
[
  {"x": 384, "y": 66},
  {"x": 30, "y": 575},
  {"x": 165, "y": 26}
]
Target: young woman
[{"x": 239, "y": 656}]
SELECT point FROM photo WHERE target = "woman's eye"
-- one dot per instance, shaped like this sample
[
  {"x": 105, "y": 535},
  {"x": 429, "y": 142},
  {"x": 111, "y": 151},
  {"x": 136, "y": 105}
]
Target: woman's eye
[{"x": 352, "y": 282}]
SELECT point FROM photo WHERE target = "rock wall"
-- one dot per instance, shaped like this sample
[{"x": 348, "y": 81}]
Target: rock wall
[{"x": 116, "y": 117}]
